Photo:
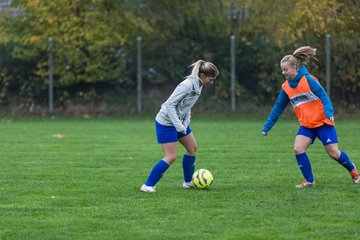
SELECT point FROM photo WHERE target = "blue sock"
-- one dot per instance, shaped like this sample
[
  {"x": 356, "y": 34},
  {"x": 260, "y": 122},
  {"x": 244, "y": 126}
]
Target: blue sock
[
  {"x": 156, "y": 173},
  {"x": 305, "y": 166},
  {"x": 188, "y": 165},
  {"x": 345, "y": 161}
]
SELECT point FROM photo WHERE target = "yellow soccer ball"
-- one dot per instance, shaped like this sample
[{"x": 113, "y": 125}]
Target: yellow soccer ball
[{"x": 202, "y": 179}]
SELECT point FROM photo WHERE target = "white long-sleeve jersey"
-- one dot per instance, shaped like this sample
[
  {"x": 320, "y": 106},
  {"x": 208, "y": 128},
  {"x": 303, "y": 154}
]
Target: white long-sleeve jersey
[{"x": 176, "y": 111}]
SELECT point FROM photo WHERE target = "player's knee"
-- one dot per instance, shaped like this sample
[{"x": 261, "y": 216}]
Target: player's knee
[
  {"x": 334, "y": 154},
  {"x": 192, "y": 150},
  {"x": 298, "y": 150},
  {"x": 170, "y": 158}
]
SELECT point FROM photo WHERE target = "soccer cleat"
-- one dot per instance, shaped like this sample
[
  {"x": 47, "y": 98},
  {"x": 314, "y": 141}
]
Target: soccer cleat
[
  {"x": 145, "y": 188},
  {"x": 188, "y": 185},
  {"x": 305, "y": 184},
  {"x": 355, "y": 176}
]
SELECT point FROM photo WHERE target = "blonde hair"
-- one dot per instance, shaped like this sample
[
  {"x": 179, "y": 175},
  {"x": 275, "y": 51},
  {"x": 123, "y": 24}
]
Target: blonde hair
[
  {"x": 300, "y": 56},
  {"x": 207, "y": 68}
]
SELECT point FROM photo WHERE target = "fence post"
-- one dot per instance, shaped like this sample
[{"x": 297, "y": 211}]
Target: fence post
[
  {"x": 139, "y": 75},
  {"x": 328, "y": 74},
  {"x": 51, "y": 75},
  {"x": 232, "y": 76}
]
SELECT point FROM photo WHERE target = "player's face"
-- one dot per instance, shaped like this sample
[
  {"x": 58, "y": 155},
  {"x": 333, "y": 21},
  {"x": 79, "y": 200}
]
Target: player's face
[
  {"x": 207, "y": 80},
  {"x": 288, "y": 70}
]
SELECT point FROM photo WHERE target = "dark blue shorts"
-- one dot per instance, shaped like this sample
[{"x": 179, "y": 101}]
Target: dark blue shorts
[
  {"x": 326, "y": 133},
  {"x": 167, "y": 134}
]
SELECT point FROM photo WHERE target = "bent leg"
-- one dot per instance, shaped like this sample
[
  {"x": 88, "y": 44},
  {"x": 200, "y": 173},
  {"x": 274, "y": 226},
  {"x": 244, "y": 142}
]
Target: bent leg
[
  {"x": 189, "y": 144},
  {"x": 188, "y": 162},
  {"x": 340, "y": 156},
  {"x": 343, "y": 159},
  {"x": 301, "y": 144},
  {"x": 156, "y": 173},
  {"x": 170, "y": 152}
]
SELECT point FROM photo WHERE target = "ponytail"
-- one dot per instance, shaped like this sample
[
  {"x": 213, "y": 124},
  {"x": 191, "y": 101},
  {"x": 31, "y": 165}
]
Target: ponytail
[
  {"x": 196, "y": 67},
  {"x": 207, "y": 68},
  {"x": 303, "y": 54},
  {"x": 300, "y": 56}
]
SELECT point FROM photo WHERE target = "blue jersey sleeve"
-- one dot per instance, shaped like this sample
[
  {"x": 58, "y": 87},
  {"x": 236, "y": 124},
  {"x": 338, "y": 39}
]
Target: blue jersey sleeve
[
  {"x": 279, "y": 107},
  {"x": 319, "y": 91}
]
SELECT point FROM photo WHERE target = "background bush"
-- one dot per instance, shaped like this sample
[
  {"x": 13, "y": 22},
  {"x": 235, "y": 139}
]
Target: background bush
[{"x": 95, "y": 49}]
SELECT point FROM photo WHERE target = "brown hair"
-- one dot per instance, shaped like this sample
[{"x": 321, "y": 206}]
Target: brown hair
[{"x": 300, "y": 56}]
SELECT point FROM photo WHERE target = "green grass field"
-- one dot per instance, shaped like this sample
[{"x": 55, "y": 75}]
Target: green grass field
[{"x": 86, "y": 185}]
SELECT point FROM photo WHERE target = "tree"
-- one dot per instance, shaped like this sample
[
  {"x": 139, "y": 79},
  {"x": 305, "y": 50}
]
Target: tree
[
  {"x": 308, "y": 23},
  {"x": 88, "y": 35}
]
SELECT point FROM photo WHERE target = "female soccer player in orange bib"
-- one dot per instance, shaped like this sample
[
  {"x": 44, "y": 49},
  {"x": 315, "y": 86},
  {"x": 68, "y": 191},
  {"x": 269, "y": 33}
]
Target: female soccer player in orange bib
[{"x": 314, "y": 110}]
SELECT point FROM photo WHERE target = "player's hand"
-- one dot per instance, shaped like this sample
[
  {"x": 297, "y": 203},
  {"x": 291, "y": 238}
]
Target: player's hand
[
  {"x": 264, "y": 134},
  {"x": 183, "y": 130},
  {"x": 186, "y": 122},
  {"x": 332, "y": 119}
]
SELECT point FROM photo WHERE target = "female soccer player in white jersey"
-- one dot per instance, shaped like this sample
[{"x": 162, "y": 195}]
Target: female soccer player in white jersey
[{"x": 172, "y": 124}]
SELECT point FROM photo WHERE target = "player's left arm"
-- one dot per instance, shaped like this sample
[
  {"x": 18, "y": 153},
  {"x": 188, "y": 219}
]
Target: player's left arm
[{"x": 319, "y": 91}]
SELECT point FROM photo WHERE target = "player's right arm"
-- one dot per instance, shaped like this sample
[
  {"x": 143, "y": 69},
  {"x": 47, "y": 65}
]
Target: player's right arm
[{"x": 279, "y": 107}]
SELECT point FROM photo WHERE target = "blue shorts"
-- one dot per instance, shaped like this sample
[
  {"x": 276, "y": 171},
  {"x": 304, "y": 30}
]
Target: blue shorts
[
  {"x": 167, "y": 134},
  {"x": 326, "y": 133}
]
